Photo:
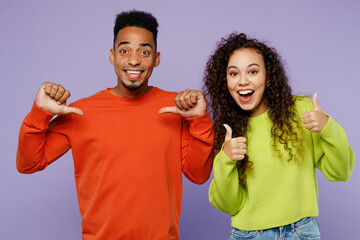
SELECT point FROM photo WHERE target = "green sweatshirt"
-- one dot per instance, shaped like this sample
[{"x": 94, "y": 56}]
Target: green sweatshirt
[{"x": 279, "y": 192}]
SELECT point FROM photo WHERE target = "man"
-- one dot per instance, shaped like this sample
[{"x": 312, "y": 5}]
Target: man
[{"x": 128, "y": 156}]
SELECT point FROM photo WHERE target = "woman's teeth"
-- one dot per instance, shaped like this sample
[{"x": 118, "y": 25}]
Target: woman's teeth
[{"x": 246, "y": 92}]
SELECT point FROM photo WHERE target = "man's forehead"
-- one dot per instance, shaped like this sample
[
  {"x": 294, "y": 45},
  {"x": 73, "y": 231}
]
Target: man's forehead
[{"x": 135, "y": 36}]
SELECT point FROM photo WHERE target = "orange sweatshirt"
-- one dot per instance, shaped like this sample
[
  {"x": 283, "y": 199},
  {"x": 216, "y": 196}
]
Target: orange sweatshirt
[{"x": 128, "y": 161}]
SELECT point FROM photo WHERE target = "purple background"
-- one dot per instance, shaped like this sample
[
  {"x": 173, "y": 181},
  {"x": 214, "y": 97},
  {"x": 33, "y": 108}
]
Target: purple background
[{"x": 68, "y": 42}]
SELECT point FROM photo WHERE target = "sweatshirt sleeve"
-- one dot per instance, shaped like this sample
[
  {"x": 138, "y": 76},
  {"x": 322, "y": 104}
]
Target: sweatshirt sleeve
[
  {"x": 225, "y": 192},
  {"x": 333, "y": 154},
  {"x": 196, "y": 148},
  {"x": 39, "y": 145}
]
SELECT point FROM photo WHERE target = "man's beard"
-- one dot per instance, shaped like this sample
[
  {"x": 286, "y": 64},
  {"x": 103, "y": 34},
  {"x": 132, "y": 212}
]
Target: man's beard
[{"x": 132, "y": 86}]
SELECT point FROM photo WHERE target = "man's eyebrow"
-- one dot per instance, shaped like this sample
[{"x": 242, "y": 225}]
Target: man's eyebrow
[
  {"x": 145, "y": 45},
  {"x": 125, "y": 42},
  {"x": 141, "y": 44}
]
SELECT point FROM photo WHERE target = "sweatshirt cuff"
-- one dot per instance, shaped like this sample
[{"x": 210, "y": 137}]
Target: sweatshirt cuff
[
  {"x": 329, "y": 129},
  {"x": 226, "y": 161},
  {"x": 203, "y": 121},
  {"x": 38, "y": 117}
]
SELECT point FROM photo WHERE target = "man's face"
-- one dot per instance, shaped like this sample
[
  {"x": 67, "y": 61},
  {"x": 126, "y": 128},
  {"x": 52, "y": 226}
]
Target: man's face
[{"x": 134, "y": 56}]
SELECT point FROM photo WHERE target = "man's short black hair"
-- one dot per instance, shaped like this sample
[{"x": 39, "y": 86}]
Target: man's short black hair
[{"x": 136, "y": 18}]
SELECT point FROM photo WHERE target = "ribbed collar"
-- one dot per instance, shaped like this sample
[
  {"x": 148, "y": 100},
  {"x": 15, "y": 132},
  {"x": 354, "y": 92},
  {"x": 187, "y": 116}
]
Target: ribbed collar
[
  {"x": 259, "y": 118},
  {"x": 132, "y": 101}
]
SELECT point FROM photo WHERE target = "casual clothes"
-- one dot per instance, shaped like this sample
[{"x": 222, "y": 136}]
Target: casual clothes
[
  {"x": 279, "y": 192},
  {"x": 128, "y": 161},
  {"x": 306, "y": 228}
]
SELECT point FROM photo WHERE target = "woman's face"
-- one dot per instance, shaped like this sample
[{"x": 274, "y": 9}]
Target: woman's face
[{"x": 246, "y": 75}]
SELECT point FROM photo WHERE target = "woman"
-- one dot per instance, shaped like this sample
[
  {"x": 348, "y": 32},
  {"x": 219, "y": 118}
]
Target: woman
[{"x": 268, "y": 144}]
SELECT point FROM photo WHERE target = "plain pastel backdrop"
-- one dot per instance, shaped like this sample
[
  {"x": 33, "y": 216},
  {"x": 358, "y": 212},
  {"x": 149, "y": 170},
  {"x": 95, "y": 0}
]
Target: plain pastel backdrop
[{"x": 68, "y": 42}]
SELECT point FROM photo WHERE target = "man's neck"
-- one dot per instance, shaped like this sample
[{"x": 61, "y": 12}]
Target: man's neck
[{"x": 121, "y": 91}]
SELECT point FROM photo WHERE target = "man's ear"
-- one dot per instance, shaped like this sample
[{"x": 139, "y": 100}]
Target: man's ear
[
  {"x": 111, "y": 56},
  {"x": 157, "y": 59}
]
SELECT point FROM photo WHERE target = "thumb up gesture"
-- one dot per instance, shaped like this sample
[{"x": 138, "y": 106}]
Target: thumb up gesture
[
  {"x": 315, "y": 120},
  {"x": 234, "y": 148},
  {"x": 52, "y": 98}
]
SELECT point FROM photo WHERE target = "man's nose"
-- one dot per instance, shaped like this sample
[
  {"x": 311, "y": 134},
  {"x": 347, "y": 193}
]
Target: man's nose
[{"x": 134, "y": 59}]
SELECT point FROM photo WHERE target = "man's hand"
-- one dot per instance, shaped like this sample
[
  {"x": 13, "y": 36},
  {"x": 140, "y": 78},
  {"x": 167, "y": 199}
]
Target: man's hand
[
  {"x": 52, "y": 98},
  {"x": 189, "y": 103},
  {"x": 234, "y": 148},
  {"x": 316, "y": 120}
]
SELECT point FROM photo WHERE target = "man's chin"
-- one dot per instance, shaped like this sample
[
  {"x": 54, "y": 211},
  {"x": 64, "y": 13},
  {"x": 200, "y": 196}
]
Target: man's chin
[{"x": 132, "y": 86}]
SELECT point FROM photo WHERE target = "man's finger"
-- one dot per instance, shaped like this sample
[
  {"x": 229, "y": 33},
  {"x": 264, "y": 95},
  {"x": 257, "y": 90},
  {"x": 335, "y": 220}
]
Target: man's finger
[
  {"x": 67, "y": 110},
  {"x": 193, "y": 98},
  {"x": 196, "y": 96},
  {"x": 189, "y": 100},
  {"x": 180, "y": 102},
  {"x": 174, "y": 110},
  {"x": 228, "y": 134},
  {"x": 47, "y": 87},
  {"x": 54, "y": 90},
  {"x": 316, "y": 103},
  {"x": 64, "y": 97},
  {"x": 59, "y": 93}
]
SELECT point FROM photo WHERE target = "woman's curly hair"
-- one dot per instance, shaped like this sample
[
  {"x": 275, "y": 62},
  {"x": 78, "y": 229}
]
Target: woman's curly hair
[{"x": 277, "y": 96}]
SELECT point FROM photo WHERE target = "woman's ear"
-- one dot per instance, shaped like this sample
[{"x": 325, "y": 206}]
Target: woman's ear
[{"x": 267, "y": 82}]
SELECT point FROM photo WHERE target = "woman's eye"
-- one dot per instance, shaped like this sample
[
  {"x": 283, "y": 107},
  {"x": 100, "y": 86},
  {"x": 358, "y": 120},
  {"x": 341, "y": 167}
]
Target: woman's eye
[
  {"x": 234, "y": 74},
  {"x": 253, "y": 72}
]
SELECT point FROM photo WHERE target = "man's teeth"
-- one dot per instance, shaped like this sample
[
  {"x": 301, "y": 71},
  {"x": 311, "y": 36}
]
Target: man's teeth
[
  {"x": 133, "y": 72},
  {"x": 245, "y": 92}
]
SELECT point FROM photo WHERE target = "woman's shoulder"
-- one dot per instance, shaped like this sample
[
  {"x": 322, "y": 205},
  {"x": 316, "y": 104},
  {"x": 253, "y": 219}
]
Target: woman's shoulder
[{"x": 303, "y": 103}]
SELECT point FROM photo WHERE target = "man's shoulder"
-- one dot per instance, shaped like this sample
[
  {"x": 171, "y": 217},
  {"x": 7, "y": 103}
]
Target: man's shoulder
[
  {"x": 161, "y": 92},
  {"x": 99, "y": 96},
  {"x": 161, "y": 95}
]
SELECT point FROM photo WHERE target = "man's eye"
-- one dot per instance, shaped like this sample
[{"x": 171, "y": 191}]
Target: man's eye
[
  {"x": 123, "y": 51},
  {"x": 144, "y": 52}
]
